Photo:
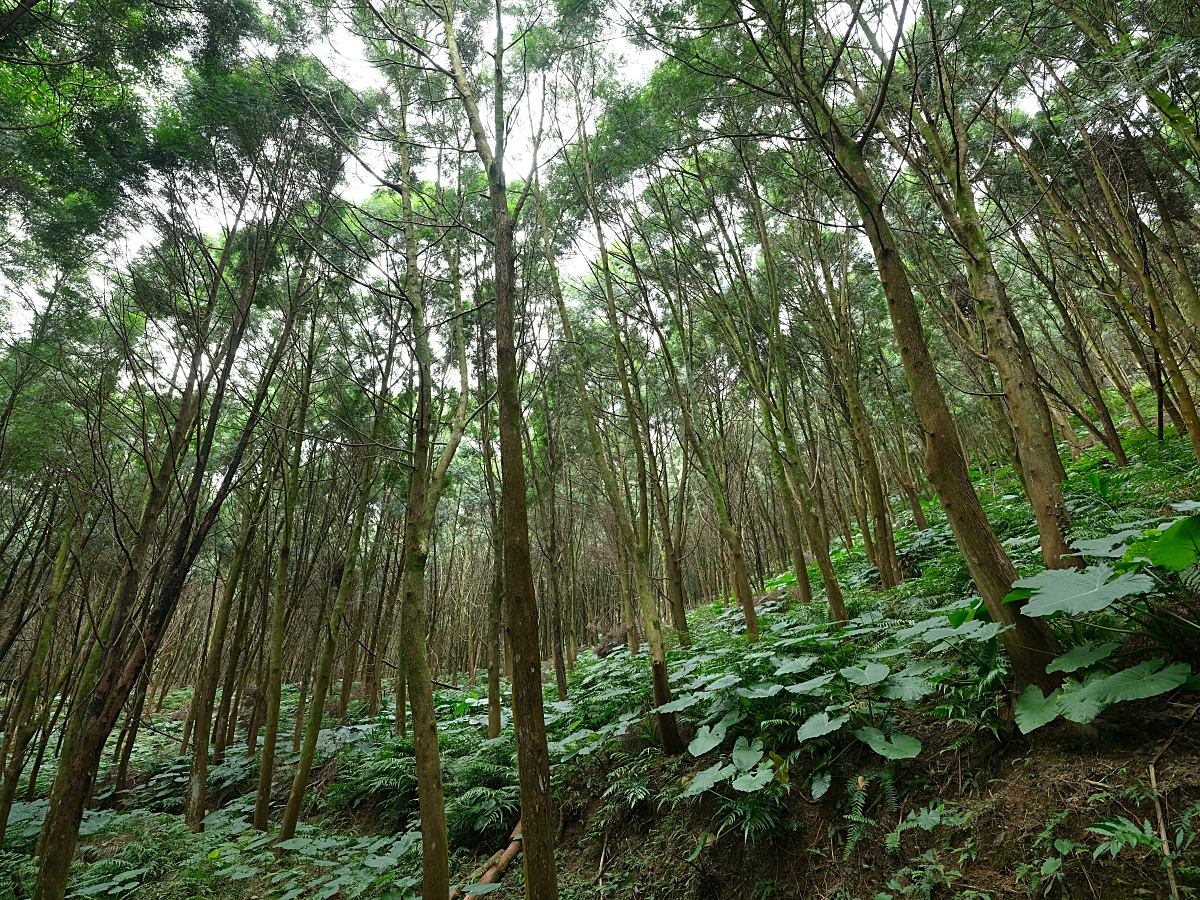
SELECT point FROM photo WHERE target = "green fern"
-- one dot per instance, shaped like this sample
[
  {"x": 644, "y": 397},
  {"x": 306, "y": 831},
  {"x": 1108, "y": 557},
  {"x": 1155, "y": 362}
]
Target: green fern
[
  {"x": 483, "y": 798},
  {"x": 856, "y": 816},
  {"x": 381, "y": 775},
  {"x": 631, "y": 782},
  {"x": 887, "y": 781},
  {"x": 755, "y": 815},
  {"x": 480, "y": 810}
]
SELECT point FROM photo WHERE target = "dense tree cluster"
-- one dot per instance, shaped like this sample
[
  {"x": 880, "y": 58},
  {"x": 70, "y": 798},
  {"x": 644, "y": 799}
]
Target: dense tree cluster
[{"x": 825, "y": 262}]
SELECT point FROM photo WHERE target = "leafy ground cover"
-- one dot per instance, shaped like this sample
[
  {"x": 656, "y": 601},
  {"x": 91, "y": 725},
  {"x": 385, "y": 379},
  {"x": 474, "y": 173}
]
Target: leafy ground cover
[{"x": 884, "y": 760}]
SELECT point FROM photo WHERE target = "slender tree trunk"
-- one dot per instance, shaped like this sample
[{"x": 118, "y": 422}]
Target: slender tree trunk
[
  {"x": 21, "y": 727},
  {"x": 1030, "y": 643},
  {"x": 316, "y": 712},
  {"x": 283, "y": 564},
  {"x": 206, "y": 688}
]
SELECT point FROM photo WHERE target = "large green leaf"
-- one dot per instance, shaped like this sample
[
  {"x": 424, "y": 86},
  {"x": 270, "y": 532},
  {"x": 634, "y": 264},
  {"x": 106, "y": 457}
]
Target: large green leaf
[
  {"x": 723, "y": 682},
  {"x": 1083, "y": 702},
  {"x": 820, "y": 725},
  {"x": 906, "y": 688},
  {"x": 754, "y": 781},
  {"x": 812, "y": 686},
  {"x": 900, "y": 746},
  {"x": 709, "y": 778},
  {"x": 760, "y": 691},
  {"x": 1112, "y": 546},
  {"x": 747, "y": 755},
  {"x": 297, "y": 843},
  {"x": 1078, "y": 702},
  {"x": 962, "y": 629},
  {"x": 794, "y": 665},
  {"x": 679, "y": 704},
  {"x": 919, "y": 630},
  {"x": 872, "y": 673},
  {"x": 1086, "y": 654},
  {"x": 1034, "y": 709},
  {"x": 235, "y": 873},
  {"x": 1075, "y": 592},
  {"x": 1146, "y": 679},
  {"x": 1179, "y": 545},
  {"x": 820, "y": 783},
  {"x": 707, "y": 737}
]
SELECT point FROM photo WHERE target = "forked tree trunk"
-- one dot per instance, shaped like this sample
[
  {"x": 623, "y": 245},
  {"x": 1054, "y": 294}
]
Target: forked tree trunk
[{"x": 1030, "y": 644}]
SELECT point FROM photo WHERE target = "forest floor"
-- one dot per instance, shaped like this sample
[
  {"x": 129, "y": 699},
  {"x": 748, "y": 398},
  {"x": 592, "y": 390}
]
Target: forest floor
[
  {"x": 876, "y": 763},
  {"x": 1012, "y": 821}
]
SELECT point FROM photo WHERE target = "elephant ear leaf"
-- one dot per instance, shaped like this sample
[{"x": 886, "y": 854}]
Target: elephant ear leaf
[
  {"x": 820, "y": 725},
  {"x": 747, "y": 755},
  {"x": 1146, "y": 679},
  {"x": 754, "y": 781},
  {"x": 1082, "y": 656},
  {"x": 709, "y": 778},
  {"x": 906, "y": 688},
  {"x": 1179, "y": 546},
  {"x": 1083, "y": 702},
  {"x": 795, "y": 665},
  {"x": 707, "y": 737},
  {"x": 899, "y": 746},
  {"x": 872, "y": 673},
  {"x": 679, "y": 704},
  {"x": 812, "y": 686},
  {"x": 1078, "y": 702},
  {"x": 1034, "y": 709},
  {"x": 1075, "y": 592},
  {"x": 1112, "y": 546}
]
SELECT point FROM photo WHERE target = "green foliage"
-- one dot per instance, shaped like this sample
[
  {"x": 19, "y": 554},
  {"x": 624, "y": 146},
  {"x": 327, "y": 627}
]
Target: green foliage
[
  {"x": 926, "y": 819},
  {"x": 630, "y": 781},
  {"x": 926, "y": 878},
  {"x": 756, "y": 815},
  {"x": 897, "y": 746},
  {"x": 1082, "y": 701},
  {"x": 24, "y": 823},
  {"x": 1119, "y": 834},
  {"x": 709, "y": 778},
  {"x": 707, "y": 738},
  {"x": 1083, "y": 656},
  {"x": 1178, "y": 546},
  {"x": 796, "y": 709},
  {"x": 21, "y": 872},
  {"x": 1083, "y": 591},
  {"x": 165, "y": 785},
  {"x": 857, "y": 820},
  {"x": 819, "y": 726},
  {"x": 482, "y": 810},
  {"x": 381, "y": 774}
]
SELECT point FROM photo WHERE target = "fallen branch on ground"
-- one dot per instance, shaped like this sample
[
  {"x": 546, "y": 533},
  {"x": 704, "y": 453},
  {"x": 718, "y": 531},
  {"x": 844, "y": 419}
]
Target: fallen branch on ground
[{"x": 495, "y": 867}]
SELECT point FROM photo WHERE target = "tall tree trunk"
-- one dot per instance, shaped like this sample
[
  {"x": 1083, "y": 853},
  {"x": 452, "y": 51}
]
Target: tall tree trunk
[
  {"x": 1030, "y": 644},
  {"x": 366, "y": 479},
  {"x": 194, "y": 808},
  {"x": 625, "y": 536},
  {"x": 283, "y": 565},
  {"x": 21, "y": 726}
]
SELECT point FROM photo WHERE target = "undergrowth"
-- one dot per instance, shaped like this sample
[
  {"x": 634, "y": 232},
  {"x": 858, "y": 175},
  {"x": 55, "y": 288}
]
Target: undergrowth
[{"x": 874, "y": 754}]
